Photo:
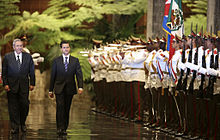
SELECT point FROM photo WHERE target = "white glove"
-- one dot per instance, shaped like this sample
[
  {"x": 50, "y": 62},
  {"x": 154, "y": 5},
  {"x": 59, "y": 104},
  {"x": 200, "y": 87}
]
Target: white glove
[
  {"x": 35, "y": 55},
  {"x": 26, "y": 50},
  {"x": 218, "y": 73},
  {"x": 35, "y": 61},
  {"x": 40, "y": 59},
  {"x": 192, "y": 66},
  {"x": 181, "y": 66},
  {"x": 202, "y": 70},
  {"x": 212, "y": 72}
]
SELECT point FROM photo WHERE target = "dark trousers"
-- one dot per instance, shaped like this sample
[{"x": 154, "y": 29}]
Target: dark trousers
[
  {"x": 18, "y": 108},
  {"x": 180, "y": 105},
  {"x": 63, "y": 102},
  {"x": 170, "y": 110},
  {"x": 163, "y": 93},
  {"x": 123, "y": 94},
  {"x": 98, "y": 91},
  {"x": 148, "y": 106},
  {"x": 155, "y": 106},
  {"x": 217, "y": 122},
  {"x": 128, "y": 108},
  {"x": 138, "y": 90}
]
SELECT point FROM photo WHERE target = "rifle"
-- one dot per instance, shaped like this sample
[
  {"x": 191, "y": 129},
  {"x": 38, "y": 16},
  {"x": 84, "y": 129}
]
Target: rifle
[
  {"x": 184, "y": 85},
  {"x": 179, "y": 84},
  {"x": 200, "y": 94},
  {"x": 213, "y": 78},
  {"x": 216, "y": 62},
  {"x": 217, "y": 56},
  {"x": 191, "y": 86},
  {"x": 209, "y": 88}
]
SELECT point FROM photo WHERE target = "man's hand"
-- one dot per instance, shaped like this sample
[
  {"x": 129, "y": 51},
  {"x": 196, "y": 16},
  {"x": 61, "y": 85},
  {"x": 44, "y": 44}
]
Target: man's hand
[
  {"x": 31, "y": 87},
  {"x": 80, "y": 90},
  {"x": 51, "y": 95},
  {"x": 7, "y": 88}
]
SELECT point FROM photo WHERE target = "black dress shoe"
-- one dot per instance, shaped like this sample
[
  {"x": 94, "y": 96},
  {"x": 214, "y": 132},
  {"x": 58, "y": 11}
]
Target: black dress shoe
[
  {"x": 167, "y": 130},
  {"x": 61, "y": 132},
  {"x": 194, "y": 137},
  {"x": 14, "y": 131},
  {"x": 178, "y": 134},
  {"x": 64, "y": 132},
  {"x": 186, "y": 136},
  {"x": 172, "y": 132},
  {"x": 23, "y": 128}
]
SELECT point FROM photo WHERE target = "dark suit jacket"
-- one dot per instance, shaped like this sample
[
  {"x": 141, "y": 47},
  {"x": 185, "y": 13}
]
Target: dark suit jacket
[
  {"x": 13, "y": 77},
  {"x": 61, "y": 79}
]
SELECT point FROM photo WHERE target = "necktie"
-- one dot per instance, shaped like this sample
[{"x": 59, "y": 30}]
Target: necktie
[
  {"x": 66, "y": 64},
  {"x": 19, "y": 63}
]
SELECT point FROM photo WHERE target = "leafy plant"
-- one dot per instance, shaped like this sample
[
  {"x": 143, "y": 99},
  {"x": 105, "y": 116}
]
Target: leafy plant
[
  {"x": 68, "y": 20},
  {"x": 8, "y": 13},
  {"x": 199, "y": 20},
  {"x": 198, "y": 15},
  {"x": 109, "y": 32},
  {"x": 197, "y": 6}
]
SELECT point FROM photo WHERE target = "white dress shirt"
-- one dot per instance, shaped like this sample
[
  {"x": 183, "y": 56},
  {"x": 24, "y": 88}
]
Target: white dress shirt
[
  {"x": 20, "y": 56},
  {"x": 64, "y": 58}
]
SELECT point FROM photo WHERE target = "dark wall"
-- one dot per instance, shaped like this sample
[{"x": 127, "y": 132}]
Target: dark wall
[
  {"x": 33, "y": 5},
  {"x": 217, "y": 16}
]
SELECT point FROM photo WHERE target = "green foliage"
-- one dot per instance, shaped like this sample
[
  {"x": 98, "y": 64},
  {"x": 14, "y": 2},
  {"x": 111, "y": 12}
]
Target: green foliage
[
  {"x": 85, "y": 66},
  {"x": 69, "y": 20},
  {"x": 91, "y": 10},
  {"x": 198, "y": 15},
  {"x": 121, "y": 29},
  {"x": 44, "y": 31},
  {"x": 197, "y": 6},
  {"x": 198, "y": 19},
  {"x": 8, "y": 13}
]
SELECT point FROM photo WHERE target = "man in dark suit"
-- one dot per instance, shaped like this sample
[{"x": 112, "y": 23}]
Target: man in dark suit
[
  {"x": 18, "y": 78},
  {"x": 64, "y": 70}
]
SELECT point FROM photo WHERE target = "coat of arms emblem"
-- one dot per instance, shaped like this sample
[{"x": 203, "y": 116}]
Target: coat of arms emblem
[{"x": 176, "y": 19}]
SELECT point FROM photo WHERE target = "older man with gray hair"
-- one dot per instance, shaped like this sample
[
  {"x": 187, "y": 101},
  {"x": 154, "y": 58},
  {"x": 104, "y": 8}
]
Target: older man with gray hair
[{"x": 18, "y": 78}]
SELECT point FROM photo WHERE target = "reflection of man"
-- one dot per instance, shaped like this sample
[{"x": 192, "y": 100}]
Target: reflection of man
[
  {"x": 62, "y": 81},
  {"x": 17, "y": 72}
]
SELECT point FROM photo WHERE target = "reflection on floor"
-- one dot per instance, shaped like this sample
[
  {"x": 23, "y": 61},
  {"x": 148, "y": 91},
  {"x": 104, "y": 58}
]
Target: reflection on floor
[{"x": 84, "y": 124}]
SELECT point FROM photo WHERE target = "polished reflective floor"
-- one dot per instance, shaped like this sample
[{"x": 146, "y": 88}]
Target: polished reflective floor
[{"x": 84, "y": 123}]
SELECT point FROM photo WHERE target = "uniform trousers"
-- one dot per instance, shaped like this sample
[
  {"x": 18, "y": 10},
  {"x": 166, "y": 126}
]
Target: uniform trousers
[
  {"x": 138, "y": 90},
  {"x": 147, "y": 106}
]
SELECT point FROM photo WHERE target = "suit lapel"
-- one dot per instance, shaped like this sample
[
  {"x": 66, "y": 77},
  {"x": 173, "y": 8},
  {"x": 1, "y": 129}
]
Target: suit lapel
[
  {"x": 62, "y": 63},
  {"x": 71, "y": 61},
  {"x": 24, "y": 60},
  {"x": 14, "y": 62}
]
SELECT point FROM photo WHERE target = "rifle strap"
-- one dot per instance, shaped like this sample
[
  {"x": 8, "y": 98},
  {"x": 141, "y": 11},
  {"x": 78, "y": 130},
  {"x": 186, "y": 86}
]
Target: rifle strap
[
  {"x": 162, "y": 92},
  {"x": 176, "y": 92}
]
